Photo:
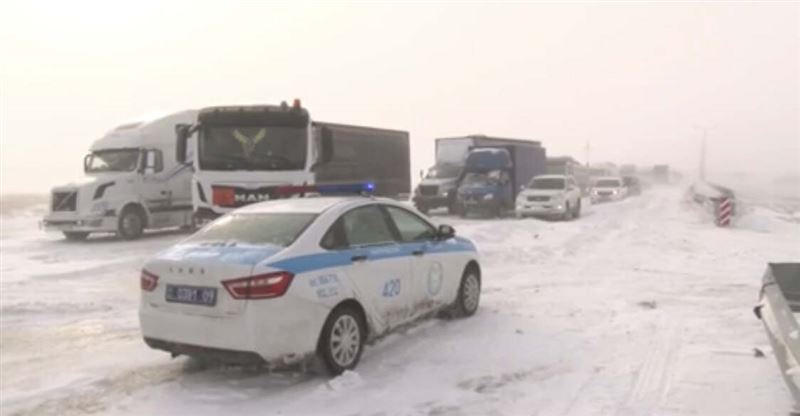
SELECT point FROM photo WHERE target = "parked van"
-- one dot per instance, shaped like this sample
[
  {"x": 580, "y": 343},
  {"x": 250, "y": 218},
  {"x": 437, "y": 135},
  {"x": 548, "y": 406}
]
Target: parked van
[{"x": 132, "y": 183}]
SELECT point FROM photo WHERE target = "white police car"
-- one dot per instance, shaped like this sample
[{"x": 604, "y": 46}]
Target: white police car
[{"x": 288, "y": 280}]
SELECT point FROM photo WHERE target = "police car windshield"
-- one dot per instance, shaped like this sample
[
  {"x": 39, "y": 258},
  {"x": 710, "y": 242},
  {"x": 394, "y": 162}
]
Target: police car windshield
[{"x": 279, "y": 229}]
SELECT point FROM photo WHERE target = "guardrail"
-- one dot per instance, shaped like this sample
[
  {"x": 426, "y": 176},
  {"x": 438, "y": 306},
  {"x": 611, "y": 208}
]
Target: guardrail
[
  {"x": 720, "y": 200},
  {"x": 779, "y": 300}
]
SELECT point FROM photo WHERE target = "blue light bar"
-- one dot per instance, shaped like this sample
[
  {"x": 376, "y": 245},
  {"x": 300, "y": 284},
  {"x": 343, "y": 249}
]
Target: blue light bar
[{"x": 341, "y": 188}]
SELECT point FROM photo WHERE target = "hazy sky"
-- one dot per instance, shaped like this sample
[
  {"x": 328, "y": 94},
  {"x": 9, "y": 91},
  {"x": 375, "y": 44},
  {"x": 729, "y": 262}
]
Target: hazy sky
[{"x": 632, "y": 79}]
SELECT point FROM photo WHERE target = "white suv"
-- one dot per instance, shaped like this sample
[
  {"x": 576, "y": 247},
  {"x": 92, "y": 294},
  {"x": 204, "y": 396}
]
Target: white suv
[
  {"x": 551, "y": 196},
  {"x": 609, "y": 188}
]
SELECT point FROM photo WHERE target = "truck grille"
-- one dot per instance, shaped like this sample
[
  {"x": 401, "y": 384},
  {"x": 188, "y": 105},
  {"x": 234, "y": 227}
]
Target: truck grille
[
  {"x": 64, "y": 201},
  {"x": 538, "y": 198},
  {"x": 428, "y": 189}
]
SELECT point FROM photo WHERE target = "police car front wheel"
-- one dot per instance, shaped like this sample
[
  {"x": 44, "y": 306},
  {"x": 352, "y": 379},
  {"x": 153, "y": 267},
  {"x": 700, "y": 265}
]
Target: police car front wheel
[
  {"x": 469, "y": 293},
  {"x": 342, "y": 340}
]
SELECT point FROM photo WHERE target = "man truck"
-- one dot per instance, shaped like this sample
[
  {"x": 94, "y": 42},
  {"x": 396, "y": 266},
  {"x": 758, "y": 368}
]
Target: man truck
[
  {"x": 246, "y": 154},
  {"x": 132, "y": 183},
  {"x": 494, "y": 175},
  {"x": 438, "y": 187}
]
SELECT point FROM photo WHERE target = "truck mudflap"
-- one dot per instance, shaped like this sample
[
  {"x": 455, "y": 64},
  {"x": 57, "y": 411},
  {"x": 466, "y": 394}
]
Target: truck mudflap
[{"x": 779, "y": 300}]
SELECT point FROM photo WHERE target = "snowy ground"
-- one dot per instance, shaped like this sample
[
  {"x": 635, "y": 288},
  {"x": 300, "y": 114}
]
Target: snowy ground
[{"x": 641, "y": 307}]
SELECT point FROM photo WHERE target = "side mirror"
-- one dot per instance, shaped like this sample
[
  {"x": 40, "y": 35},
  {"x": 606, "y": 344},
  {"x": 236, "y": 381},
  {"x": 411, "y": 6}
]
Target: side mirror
[
  {"x": 182, "y": 133},
  {"x": 445, "y": 232}
]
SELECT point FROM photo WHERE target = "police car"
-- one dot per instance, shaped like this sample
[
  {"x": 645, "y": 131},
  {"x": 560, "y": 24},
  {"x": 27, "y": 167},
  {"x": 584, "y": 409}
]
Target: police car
[{"x": 285, "y": 281}]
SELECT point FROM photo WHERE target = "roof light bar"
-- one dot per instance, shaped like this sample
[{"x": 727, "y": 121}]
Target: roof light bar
[{"x": 342, "y": 188}]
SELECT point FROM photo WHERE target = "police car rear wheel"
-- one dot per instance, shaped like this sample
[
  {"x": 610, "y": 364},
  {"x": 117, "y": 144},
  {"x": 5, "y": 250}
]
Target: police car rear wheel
[
  {"x": 342, "y": 340},
  {"x": 469, "y": 293}
]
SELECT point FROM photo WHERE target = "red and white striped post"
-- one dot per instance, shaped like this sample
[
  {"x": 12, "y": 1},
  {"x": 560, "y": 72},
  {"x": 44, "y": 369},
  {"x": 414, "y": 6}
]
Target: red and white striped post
[{"x": 724, "y": 212}]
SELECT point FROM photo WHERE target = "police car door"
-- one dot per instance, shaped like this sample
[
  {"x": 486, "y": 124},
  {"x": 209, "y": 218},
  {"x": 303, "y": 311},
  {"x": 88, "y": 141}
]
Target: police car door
[
  {"x": 380, "y": 271},
  {"x": 429, "y": 264}
]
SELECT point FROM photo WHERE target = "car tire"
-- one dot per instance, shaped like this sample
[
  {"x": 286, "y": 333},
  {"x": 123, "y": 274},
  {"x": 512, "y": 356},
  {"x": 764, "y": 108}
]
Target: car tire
[
  {"x": 567, "y": 215},
  {"x": 342, "y": 340},
  {"x": 76, "y": 235},
  {"x": 469, "y": 293},
  {"x": 130, "y": 225},
  {"x": 577, "y": 212}
]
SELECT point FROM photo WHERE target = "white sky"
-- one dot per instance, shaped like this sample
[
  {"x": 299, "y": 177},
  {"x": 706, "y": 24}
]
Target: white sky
[{"x": 631, "y": 79}]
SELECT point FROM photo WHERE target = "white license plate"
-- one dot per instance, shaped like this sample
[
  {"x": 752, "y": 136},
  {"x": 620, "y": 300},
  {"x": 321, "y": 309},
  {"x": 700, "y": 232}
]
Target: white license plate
[{"x": 206, "y": 296}]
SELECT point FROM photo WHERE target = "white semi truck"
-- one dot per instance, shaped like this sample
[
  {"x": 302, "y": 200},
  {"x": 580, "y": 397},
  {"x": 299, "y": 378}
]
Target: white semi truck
[
  {"x": 253, "y": 153},
  {"x": 132, "y": 183}
]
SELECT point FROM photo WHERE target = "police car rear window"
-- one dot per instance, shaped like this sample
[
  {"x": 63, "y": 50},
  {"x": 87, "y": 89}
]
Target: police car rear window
[{"x": 257, "y": 229}]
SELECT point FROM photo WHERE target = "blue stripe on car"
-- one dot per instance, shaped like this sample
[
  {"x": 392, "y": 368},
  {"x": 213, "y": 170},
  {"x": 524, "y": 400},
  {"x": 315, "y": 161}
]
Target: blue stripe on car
[{"x": 338, "y": 258}]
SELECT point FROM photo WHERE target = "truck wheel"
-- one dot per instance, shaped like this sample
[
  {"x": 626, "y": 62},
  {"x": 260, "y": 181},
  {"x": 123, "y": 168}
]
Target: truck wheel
[
  {"x": 342, "y": 340},
  {"x": 469, "y": 293},
  {"x": 131, "y": 223},
  {"x": 75, "y": 235},
  {"x": 452, "y": 206}
]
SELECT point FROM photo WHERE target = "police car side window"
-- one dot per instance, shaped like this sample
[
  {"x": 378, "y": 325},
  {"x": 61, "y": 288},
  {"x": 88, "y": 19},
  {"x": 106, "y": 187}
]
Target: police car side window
[
  {"x": 366, "y": 225},
  {"x": 334, "y": 239},
  {"x": 410, "y": 226}
]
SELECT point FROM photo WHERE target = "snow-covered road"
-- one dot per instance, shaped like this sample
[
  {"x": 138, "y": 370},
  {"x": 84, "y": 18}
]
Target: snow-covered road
[{"x": 638, "y": 308}]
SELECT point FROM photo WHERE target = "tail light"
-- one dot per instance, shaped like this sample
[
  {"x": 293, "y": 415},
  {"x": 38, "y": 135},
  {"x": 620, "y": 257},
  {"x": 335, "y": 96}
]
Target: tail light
[
  {"x": 148, "y": 281},
  {"x": 263, "y": 286}
]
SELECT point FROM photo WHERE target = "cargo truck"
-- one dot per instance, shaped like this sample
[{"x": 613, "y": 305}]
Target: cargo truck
[
  {"x": 438, "y": 186},
  {"x": 494, "y": 175},
  {"x": 247, "y": 154}
]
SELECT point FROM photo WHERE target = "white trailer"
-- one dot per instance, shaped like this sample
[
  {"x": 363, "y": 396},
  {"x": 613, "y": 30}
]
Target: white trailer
[{"x": 132, "y": 183}]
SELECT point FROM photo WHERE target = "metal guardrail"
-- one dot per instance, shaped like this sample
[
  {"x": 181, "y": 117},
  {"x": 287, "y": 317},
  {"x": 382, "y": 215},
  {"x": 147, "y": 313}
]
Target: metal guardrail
[
  {"x": 779, "y": 299},
  {"x": 720, "y": 200}
]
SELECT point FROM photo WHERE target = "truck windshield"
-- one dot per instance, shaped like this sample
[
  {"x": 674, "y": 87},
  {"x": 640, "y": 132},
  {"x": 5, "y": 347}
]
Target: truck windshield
[
  {"x": 546, "y": 183},
  {"x": 443, "y": 171},
  {"x": 479, "y": 178},
  {"x": 112, "y": 160},
  {"x": 253, "y": 148},
  {"x": 254, "y": 229}
]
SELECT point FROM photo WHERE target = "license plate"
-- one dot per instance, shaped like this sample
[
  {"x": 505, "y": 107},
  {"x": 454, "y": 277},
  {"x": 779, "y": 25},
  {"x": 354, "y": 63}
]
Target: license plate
[{"x": 206, "y": 296}]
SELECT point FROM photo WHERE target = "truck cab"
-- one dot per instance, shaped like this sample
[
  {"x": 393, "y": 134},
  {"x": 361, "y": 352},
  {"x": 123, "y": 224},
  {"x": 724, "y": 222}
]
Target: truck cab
[
  {"x": 486, "y": 183},
  {"x": 438, "y": 188},
  {"x": 131, "y": 183},
  {"x": 253, "y": 153}
]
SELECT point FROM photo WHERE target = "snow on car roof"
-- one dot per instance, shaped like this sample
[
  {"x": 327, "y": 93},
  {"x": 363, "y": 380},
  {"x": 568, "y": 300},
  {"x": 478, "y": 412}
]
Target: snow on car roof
[{"x": 311, "y": 205}]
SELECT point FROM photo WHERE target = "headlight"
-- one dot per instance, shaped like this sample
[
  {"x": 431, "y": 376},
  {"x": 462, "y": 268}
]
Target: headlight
[
  {"x": 488, "y": 197},
  {"x": 100, "y": 207},
  {"x": 614, "y": 191}
]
